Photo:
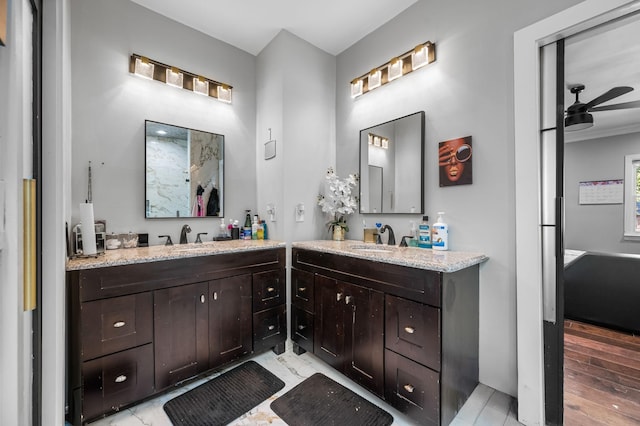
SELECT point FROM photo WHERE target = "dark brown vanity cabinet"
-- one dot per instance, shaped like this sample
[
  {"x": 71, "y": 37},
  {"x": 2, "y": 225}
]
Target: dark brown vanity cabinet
[
  {"x": 138, "y": 329},
  {"x": 407, "y": 334},
  {"x": 348, "y": 331}
]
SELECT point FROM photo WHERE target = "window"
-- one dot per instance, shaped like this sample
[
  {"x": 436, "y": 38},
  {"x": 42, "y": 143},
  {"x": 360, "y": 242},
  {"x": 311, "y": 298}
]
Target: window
[{"x": 632, "y": 197}]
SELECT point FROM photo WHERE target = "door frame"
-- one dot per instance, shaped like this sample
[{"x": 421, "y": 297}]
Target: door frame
[{"x": 529, "y": 299}]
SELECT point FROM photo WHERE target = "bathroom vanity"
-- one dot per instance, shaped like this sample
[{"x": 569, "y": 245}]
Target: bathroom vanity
[
  {"x": 142, "y": 320},
  {"x": 401, "y": 322}
]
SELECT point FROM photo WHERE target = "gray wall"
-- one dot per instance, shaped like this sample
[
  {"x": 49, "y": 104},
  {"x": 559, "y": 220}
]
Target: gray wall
[
  {"x": 110, "y": 106},
  {"x": 467, "y": 91},
  {"x": 597, "y": 227}
]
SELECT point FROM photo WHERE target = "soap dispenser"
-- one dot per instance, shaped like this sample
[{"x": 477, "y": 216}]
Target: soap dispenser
[
  {"x": 440, "y": 234},
  {"x": 424, "y": 233}
]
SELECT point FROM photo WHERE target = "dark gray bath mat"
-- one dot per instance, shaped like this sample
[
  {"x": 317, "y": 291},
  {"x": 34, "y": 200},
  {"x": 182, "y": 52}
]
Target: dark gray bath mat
[
  {"x": 321, "y": 401},
  {"x": 224, "y": 398}
]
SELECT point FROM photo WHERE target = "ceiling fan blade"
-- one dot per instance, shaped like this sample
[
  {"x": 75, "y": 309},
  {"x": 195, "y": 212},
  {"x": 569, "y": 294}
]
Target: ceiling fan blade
[
  {"x": 612, "y": 93},
  {"x": 624, "y": 105}
]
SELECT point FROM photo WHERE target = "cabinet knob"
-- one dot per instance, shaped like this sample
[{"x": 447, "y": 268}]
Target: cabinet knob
[
  {"x": 409, "y": 329},
  {"x": 215, "y": 295},
  {"x": 301, "y": 327},
  {"x": 302, "y": 289},
  {"x": 348, "y": 299},
  {"x": 271, "y": 327},
  {"x": 202, "y": 298},
  {"x": 270, "y": 289},
  {"x": 119, "y": 324},
  {"x": 339, "y": 296},
  {"x": 409, "y": 388},
  {"x": 121, "y": 378}
]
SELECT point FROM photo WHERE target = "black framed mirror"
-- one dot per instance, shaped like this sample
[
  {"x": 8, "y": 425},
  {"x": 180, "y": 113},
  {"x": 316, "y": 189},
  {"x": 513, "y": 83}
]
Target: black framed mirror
[
  {"x": 184, "y": 172},
  {"x": 392, "y": 166}
]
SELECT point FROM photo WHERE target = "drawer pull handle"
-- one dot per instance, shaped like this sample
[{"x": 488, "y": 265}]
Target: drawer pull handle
[
  {"x": 410, "y": 329},
  {"x": 270, "y": 289},
  {"x": 301, "y": 327},
  {"x": 339, "y": 296},
  {"x": 271, "y": 327},
  {"x": 119, "y": 324},
  {"x": 409, "y": 388},
  {"x": 301, "y": 289},
  {"x": 121, "y": 378},
  {"x": 202, "y": 299}
]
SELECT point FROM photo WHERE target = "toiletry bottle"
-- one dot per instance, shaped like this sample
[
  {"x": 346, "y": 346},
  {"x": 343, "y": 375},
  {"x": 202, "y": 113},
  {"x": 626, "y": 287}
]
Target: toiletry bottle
[
  {"x": 254, "y": 228},
  {"x": 424, "y": 233},
  {"x": 260, "y": 229},
  {"x": 246, "y": 231},
  {"x": 265, "y": 230},
  {"x": 223, "y": 229},
  {"x": 440, "y": 234}
]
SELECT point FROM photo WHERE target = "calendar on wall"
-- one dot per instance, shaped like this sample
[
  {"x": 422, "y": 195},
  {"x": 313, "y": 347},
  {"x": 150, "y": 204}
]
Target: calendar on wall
[{"x": 601, "y": 192}]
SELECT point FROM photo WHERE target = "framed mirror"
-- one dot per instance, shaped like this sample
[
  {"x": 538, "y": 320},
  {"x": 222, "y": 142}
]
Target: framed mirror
[
  {"x": 184, "y": 172},
  {"x": 392, "y": 166}
]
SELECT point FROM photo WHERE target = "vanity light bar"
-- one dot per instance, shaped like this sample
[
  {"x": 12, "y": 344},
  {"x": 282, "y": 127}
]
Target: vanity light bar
[
  {"x": 154, "y": 70},
  {"x": 411, "y": 60}
]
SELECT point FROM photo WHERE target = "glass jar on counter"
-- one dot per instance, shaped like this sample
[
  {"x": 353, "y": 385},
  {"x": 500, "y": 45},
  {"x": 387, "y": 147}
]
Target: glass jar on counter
[
  {"x": 129, "y": 240},
  {"x": 113, "y": 241}
]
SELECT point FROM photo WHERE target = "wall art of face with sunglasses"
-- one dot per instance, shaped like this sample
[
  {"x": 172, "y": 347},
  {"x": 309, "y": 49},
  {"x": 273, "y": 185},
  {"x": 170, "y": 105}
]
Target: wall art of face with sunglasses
[{"x": 454, "y": 159}]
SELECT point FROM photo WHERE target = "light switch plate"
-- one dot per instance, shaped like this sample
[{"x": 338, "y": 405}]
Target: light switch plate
[{"x": 300, "y": 212}]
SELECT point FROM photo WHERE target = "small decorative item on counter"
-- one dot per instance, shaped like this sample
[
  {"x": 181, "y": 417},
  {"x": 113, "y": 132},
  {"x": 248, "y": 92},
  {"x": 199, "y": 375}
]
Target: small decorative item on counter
[
  {"x": 338, "y": 202},
  {"x": 113, "y": 241},
  {"x": 129, "y": 240}
]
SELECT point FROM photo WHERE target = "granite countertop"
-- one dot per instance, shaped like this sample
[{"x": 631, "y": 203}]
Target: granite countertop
[
  {"x": 176, "y": 251},
  {"x": 415, "y": 257}
]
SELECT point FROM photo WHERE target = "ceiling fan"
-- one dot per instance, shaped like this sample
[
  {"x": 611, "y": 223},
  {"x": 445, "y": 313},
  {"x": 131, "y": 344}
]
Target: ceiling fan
[{"x": 578, "y": 117}]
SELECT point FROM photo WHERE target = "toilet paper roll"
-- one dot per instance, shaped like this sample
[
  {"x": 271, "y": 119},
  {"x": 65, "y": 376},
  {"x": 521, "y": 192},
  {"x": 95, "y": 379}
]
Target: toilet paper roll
[{"x": 88, "y": 229}]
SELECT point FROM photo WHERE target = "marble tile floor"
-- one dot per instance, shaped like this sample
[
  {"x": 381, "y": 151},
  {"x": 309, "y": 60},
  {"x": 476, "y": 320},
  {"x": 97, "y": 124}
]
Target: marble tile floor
[{"x": 485, "y": 407}]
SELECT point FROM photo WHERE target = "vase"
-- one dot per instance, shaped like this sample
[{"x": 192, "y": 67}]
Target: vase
[{"x": 338, "y": 233}]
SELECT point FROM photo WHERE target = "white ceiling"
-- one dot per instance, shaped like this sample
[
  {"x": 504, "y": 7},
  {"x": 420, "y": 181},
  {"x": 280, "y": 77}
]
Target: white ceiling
[
  {"x": 331, "y": 25},
  {"x": 603, "y": 58}
]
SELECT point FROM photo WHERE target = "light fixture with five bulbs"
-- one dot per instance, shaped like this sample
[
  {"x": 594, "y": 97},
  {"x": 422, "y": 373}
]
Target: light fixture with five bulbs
[{"x": 416, "y": 58}]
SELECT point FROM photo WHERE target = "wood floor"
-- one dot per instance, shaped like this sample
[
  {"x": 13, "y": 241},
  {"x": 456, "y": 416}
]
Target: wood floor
[{"x": 601, "y": 376}]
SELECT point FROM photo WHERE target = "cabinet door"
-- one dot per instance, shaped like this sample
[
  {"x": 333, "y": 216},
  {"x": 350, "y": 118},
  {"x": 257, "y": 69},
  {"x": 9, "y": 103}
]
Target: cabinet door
[
  {"x": 302, "y": 289},
  {"x": 364, "y": 336},
  {"x": 328, "y": 323},
  {"x": 229, "y": 318},
  {"x": 181, "y": 345}
]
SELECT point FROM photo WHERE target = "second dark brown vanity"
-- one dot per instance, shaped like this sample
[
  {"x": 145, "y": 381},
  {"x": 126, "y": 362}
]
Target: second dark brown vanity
[{"x": 409, "y": 335}]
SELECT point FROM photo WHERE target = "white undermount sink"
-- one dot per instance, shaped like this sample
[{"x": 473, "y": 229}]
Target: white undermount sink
[{"x": 371, "y": 248}]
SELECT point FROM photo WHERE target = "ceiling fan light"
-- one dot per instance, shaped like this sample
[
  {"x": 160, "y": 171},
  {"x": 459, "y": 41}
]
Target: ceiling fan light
[{"x": 579, "y": 121}]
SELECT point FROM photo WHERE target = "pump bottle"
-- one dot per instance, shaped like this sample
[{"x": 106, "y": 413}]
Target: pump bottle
[{"x": 440, "y": 234}]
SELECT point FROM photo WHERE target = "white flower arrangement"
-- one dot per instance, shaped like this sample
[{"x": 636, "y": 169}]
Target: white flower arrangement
[{"x": 338, "y": 200}]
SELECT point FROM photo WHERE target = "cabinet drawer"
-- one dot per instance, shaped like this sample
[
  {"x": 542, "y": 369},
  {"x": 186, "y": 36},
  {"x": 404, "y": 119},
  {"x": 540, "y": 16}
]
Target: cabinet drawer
[
  {"x": 412, "y": 388},
  {"x": 413, "y": 330},
  {"x": 116, "y": 380},
  {"x": 302, "y": 328},
  {"x": 302, "y": 289},
  {"x": 269, "y": 328},
  {"x": 268, "y": 289},
  {"x": 112, "y": 325}
]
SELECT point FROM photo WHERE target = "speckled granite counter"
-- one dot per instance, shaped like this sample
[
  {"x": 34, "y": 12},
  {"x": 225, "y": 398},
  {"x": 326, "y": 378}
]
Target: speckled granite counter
[
  {"x": 177, "y": 251},
  {"x": 440, "y": 261}
]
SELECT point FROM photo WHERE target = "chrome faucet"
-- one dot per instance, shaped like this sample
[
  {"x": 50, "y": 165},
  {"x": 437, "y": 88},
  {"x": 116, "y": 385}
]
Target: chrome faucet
[
  {"x": 392, "y": 237},
  {"x": 183, "y": 234}
]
